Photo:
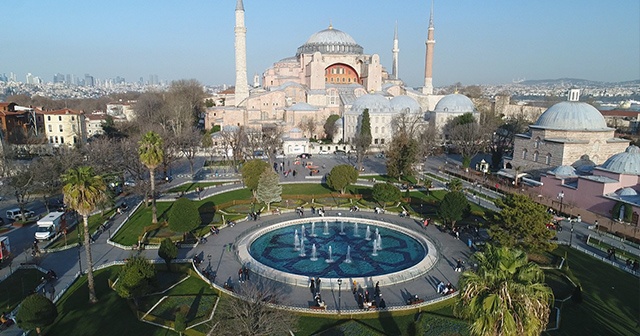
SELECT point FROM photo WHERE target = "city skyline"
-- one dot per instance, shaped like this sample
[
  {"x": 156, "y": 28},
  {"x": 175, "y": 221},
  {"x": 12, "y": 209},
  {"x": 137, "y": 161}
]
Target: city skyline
[{"x": 495, "y": 43}]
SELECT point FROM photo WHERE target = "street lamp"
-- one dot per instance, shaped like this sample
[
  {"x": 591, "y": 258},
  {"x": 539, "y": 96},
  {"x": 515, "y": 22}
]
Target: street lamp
[
  {"x": 571, "y": 237},
  {"x": 561, "y": 198},
  {"x": 339, "y": 294},
  {"x": 209, "y": 258}
]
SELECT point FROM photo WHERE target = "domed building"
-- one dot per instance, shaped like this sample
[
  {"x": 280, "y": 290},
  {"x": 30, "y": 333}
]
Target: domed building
[
  {"x": 449, "y": 107},
  {"x": 610, "y": 189},
  {"x": 567, "y": 133},
  {"x": 326, "y": 76}
]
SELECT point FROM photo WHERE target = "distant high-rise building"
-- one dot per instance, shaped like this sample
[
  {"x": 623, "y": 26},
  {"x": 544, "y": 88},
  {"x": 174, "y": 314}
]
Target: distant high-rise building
[
  {"x": 89, "y": 80},
  {"x": 58, "y": 78},
  {"x": 3, "y": 77},
  {"x": 29, "y": 78}
]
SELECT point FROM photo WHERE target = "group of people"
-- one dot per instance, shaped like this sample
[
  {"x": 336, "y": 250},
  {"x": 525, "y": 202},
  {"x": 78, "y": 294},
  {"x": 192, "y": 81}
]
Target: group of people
[
  {"x": 243, "y": 274},
  {"x": 459, "y": 265},
  {"x": 632, "y": 264},
  {"x": 378, "y": 210},
  {"x": 289, "y": 171},
  {"x": 445, "y": 289},
  {"x": 364, "y": 299},
  {"x": 300, "y": 211},
  {"x": 354, "y": 208},
  {"x": 314, "y": 285},
  {"x": 611, "y": 253},
  {"x": 319, "y": 211},
  {"x": 6, "y": 320},
  {"x": 253, "y": 216}
]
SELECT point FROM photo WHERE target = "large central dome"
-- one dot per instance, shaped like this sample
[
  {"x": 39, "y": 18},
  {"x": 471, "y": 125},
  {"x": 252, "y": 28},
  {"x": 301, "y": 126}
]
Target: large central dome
[
  {"x": 331, "y": 41},
  {"x": 572, "y": 116}
]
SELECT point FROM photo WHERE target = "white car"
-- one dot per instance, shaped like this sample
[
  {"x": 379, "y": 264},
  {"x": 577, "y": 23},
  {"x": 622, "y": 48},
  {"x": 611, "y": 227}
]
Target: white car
[{"x": 323, "y": 152}]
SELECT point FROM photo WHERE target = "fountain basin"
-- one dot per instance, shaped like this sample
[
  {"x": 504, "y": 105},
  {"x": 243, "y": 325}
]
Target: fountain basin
[{"x": 405, "y": 254}]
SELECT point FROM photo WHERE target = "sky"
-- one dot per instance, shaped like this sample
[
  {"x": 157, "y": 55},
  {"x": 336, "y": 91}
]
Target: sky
[{"x": 477, "y": 42}]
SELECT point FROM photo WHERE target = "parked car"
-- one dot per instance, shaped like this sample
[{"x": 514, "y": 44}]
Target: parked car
[
  {"x": 304, "y": 155},
  {"x": 15, "y": 214},
  {"x": 380, "y": 155},
  {"x": 323, "y": 152},
  {"x": 340, "y": 152}
]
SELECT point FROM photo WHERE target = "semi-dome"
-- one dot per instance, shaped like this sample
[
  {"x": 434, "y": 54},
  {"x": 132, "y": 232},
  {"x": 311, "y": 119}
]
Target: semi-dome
[
  {"x": 405, "y": 103},
  {"x": 331, "y": 41},
  {"x": 455, "y": 103},
  {"x": 572, "y": 116},
  {"x": 627, "y": 162},
  {"x": 374, "y": 102},
  {"x": 564, "y": 171}
]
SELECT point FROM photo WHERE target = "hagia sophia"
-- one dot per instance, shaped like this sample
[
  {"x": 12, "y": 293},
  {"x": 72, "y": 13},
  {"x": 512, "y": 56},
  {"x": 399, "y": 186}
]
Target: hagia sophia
[{"x": 331, "y": 74}]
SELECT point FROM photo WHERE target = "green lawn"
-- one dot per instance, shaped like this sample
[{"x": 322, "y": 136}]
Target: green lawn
[
  {"x": 387, "y": 178},
  {"x": 129, "y": 233},
  {"x": 611, "y": 304},
  {"x": 113, "y": 315},
  {"x": 306, "y": 189},
  {"x": 72, "y": 234},
  {"x": 18, "y": 286}
]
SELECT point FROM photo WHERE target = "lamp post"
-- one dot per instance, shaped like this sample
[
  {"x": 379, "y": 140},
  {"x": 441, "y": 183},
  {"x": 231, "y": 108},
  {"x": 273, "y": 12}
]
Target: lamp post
[
  {"x": 571, "y": 237},
  {"x": 80, "y": 260},
  {"x": 339, "y": 294},
  {"x": 209, "y": 258},
  {"x": 561, "y": 198}
]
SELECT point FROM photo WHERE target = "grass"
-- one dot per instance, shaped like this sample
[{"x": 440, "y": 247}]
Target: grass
[
  {"x": 113, "y": 315},
  {"x": 610, "y": 299},
  {"x": 387, "y": 178},
  {"x": 72, "y": 234},
  {"x": 306, "y": 189},
  {"x": 187, "y": 187},
  {"x": 129, "y": 233},
  {"x": 18, "y": 286},
  {"x": 620, "y": 252}
]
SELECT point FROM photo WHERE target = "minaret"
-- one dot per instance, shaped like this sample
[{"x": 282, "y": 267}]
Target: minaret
[
  {"x": 242, "y": 85},
  {"x": 395, "y": 52},
  {"x": 428, "y": 62}
]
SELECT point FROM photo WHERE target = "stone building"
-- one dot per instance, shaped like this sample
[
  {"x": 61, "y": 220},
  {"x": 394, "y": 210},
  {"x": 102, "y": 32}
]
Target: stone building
[
  {"x": 564, "y": 134},
  {"x": 65, "y": 127},
  {"x": 449, "y": 107}
]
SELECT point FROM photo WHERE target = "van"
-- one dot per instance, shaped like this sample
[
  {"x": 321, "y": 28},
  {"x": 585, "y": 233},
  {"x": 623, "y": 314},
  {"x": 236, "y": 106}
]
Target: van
[
  {"x": 50, "y": 225},
  {"x": 15, "y": 214}
]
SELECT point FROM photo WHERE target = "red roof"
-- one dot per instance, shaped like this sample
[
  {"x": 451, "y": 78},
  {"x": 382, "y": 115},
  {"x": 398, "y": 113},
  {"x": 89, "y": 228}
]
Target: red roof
[
  {"x": 62, "y": 112},
  {"x": 620, "y": 113}
]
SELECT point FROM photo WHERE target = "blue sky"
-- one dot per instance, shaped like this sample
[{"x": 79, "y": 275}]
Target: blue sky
[{"x": 477, "y": 42}]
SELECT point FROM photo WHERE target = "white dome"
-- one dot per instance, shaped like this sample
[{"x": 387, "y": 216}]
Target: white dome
[
  {"x": 331, "y": 41},
  {"x": 564, "y": 171},
  {"x": 405, "y": 103},
  {"x": 374, "y": 102},
  {"x": 626, "y": 192},
  {"x": 572, "y": 116},
  {"x": 627, "y": 162},
  {"x": 455, "y": 103}
]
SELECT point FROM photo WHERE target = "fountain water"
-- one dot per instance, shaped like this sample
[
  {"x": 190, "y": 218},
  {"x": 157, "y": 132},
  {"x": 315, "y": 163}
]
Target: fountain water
[
  {"x": 377, "y": 233},
  {"x": 302, "y": 238},
  {"x": 379, "y": 241},
  {"x": 302, "y": 252},
  {"x": 348, "y": 258},
  {"x": 375, "y": 247},
  {"x": 342, "y": 229},
  {"x": 313, "y": 229},
  {"x": 330, "y": 260},
  {"x": 367, "y": 235},
  {"x": 326, "y": 228},
  {"x": 296, "y": 241},
  {"x": 314, "y": 256},
  {"x": 355, "y": 230}
]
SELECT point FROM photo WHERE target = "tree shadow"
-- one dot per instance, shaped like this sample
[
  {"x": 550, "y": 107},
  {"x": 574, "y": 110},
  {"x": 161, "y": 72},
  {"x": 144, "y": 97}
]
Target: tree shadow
[
  {"x": 193, "y": 309},
  {"x": 207, "y": 212}
]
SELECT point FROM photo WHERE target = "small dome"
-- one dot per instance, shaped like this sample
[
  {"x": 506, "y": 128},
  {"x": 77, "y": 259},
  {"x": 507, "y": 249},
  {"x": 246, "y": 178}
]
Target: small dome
[
  {"x": 572, "y": 116},
  {"x": 564, "y": 171},
  {"x": 331, "y": 41},
  {"x": 627, "y": 192},
  {"x": 374, "y": 102},
  {"x": 405, "y": 103},
  {"x": 627, "y": 162},
  {"x": 338, "y": 123},
  {"x": 455, "y": 103}
]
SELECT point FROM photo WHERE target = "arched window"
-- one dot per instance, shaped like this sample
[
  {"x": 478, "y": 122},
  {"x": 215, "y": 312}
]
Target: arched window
[
  {"x": 547, "y": 159},
  {"x": 524, "y": 154},
  {"x": 376, "y": 130},
  {"x": 536, "y": 144},
  {"x": 535, "y": 156},
  {"x": 382, "y": 130}
]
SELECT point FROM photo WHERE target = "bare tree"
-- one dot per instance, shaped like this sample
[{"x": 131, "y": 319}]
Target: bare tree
[
  {"x": 253, "y": 313},
  {"x": 234, "y": 142},
  {"x": 469, "y": 139},
  {"x": 272, "y": 141},
  {"x": 308, "y": 124},
  {"x": 188, "y": 143},
  {"x": 429, "y": 140},
  {"x": 410, "y": 124}
]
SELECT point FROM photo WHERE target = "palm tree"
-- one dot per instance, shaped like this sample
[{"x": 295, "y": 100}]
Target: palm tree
[
  {"x": 151, "y": 155},
  {"x": 506, "y": 295},
  {"x": 83, "y": 191}
]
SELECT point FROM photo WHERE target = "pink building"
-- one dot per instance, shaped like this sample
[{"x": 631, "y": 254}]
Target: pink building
[{"x": 610, "y": 189}]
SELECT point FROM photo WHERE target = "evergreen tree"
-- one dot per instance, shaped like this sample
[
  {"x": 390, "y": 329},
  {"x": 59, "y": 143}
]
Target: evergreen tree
[
  {"x": 453, "y": 207},
  {"x": 385, "y": 192},
  {"x": 35, "y": 312},
  {"x": 330, "y": 126},
  {"x": 401, "y": 156},
  {"x": 363, "y": 139},
  {"x": 168, "y": 251},
  {"x": 137, "y": 278},
  {"x": 184, "y": 216},
  {"x": 269, "y": 188},
  {"x": 251, "y": 172},
  {"x": 341, "y": 176}
]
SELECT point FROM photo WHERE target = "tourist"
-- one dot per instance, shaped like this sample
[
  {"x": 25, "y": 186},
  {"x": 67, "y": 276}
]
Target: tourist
[
  {"x": 382, "y": 304},
  {"x": 318, "y": 284},
  {"x": 241, "y": 275},
  {"x": 246, "y": 273},
  {"x": 459, "y": 265},
  {"x": 635, "y": 265},
  {"x": 441, "y": 287},
  {"x": 355, "y": 287},
  {"x": 313, "y": 286}
]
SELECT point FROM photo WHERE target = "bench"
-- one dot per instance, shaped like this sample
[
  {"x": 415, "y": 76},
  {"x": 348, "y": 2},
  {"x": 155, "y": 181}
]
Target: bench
[
  {"x": 415, "y": 301},
  {"x": 318, "y": 307}
]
